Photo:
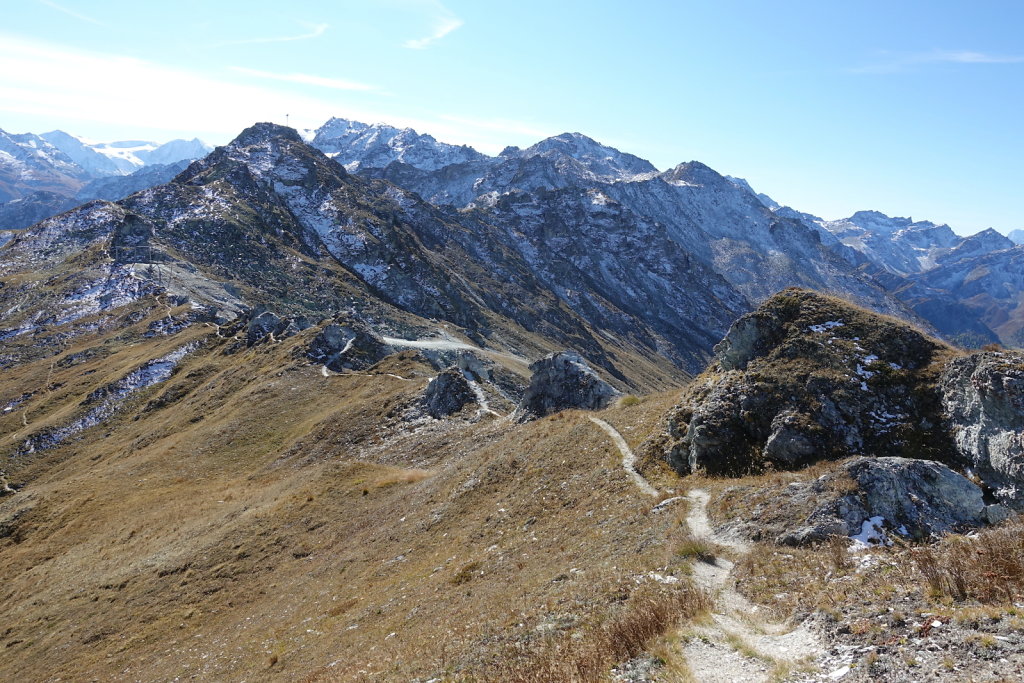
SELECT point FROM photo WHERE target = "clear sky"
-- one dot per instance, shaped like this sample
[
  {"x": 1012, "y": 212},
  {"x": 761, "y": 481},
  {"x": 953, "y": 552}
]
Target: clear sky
[{"x": 913, "y": 108}]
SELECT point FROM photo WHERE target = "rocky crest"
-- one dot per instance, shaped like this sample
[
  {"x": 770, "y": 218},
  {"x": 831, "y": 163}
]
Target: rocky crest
[{"x": 808, "y": 377}]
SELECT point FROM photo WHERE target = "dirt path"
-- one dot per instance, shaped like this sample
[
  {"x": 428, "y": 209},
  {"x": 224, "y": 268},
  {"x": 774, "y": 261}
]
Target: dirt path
[
  {"x": 737, "y": 644},
  {"x": 628, "y": 458},
  {"x": 447, "y": 343}
]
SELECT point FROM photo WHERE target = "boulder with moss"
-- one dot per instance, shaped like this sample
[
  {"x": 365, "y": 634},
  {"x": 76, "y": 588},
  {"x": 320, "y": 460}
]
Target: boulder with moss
[{"x": 808, "y": 377}]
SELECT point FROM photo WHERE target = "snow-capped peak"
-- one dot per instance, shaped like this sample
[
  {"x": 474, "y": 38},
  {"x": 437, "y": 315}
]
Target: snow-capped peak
[
  {"x": 124, "y": 156},
  {"x": 361, "y": 145},
  {"x": 601, "y": 160}
]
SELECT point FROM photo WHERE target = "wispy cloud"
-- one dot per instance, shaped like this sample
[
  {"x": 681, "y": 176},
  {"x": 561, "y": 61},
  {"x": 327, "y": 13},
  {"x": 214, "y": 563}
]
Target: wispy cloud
[
  {"x": 305, "y": 79},
  {"x": 57, "y": 86},
  {"x": 71, "y": 12},
  {"x": 444, "y": 22},
  {"x": 313, "y": 31},
  {"x": 897, "y": 63}
]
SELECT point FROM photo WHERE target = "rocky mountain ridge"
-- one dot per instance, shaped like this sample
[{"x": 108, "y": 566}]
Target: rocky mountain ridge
[
  {"x": 272, "y": 396},
  {"x": 43, "y": 175},
  {"x": 759, "y": 247},
  {"x": 723, "y": 220}
]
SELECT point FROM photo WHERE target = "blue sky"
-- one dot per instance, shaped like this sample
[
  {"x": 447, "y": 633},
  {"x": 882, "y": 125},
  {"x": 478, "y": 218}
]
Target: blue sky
[{"x": 911, "y": 108}]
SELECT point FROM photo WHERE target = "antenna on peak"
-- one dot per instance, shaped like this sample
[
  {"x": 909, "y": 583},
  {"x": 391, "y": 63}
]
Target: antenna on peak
[{"x": 286, "y": 119}]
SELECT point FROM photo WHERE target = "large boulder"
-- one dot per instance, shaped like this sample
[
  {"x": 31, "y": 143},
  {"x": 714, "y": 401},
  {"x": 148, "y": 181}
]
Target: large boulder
[
  {"x": 347, "y": 344},
  {"x": 270, "y": 326},
  {"x": 983, "y": 396},
  {"x": 261, "y": 326},
  {"x": 808, "y": 377},
  {"x": 560, "y": 381},
  {"x": 448, "y": 393},
  {"x": 913, "y": 498}
]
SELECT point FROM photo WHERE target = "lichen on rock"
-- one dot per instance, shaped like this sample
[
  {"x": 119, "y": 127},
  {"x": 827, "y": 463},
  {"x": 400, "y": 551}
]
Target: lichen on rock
[{"x": 983, "y": 397}]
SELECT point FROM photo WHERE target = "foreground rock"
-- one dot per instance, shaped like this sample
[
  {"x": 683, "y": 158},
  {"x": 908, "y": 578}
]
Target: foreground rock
[
  {"x": 983, "y": 396},
  {"x": 448, "y": 393},
  {"x": 561, "y": 381},
  {"x": 913, "y": 498},
  {"x": 809, "y": 377}
]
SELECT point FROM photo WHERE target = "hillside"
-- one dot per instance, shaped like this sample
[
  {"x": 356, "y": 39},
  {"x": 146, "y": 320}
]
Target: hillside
[{"x": 275, "y": 420}]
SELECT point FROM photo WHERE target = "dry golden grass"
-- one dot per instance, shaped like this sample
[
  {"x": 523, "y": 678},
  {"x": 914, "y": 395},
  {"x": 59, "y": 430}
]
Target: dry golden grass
[
  {"x": 988, "y": 567},
  {"x": 646, "y": 615},
  {"x": 250, "y": 518}
]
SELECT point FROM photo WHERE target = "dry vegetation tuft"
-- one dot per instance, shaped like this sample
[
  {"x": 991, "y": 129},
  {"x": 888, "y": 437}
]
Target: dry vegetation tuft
[
  {"x": 988, "y": 567},
  {"x": 648, "y": 613}
]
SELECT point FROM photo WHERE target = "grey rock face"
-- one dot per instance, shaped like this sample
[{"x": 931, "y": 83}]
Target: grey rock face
[
  {"x": 983, "y": 396},
  {"x": 261, "y": 327},
  {"x": 748, "y": 337},
  {"x": 788, "y": 444},
  {"x": 347, "y": 344},
  {"x": 560, "y": 381},
  {"x": 917, "y": 498},
  {"x": 448, "y": 393}
]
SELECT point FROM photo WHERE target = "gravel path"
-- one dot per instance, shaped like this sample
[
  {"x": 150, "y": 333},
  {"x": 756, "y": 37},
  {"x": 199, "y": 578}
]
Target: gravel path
[
  {"x": 736, "y": 644},
  {"x": 628, "y": 457}
]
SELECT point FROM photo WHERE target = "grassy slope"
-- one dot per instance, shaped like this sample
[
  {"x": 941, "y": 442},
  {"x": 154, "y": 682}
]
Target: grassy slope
[{"x": 250, "y": 518}]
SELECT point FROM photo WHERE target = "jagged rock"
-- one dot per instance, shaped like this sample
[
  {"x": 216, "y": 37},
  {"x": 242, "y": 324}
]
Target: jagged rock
[
  {"x": 983, "y": 396},
  {"x": 560, "y": 381},
  {"x": 916, "y": 498},
  {"x": 261, "y": 327},
  {"x": 347, "y": 344},
  {"x": 448, "y": 393},
  {"x": 479, "y": 368},
  {"x": 809, "y": 377}
]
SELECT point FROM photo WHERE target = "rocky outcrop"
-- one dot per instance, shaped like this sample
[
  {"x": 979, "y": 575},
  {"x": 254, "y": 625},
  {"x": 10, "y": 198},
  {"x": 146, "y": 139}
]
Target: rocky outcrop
[
  {"x": 269, "y": 326},
  {"x": 560, "y": 381},
  {"x": 347, "y": 344},
  {"x": 809, "y": 377},
  {"x": 983, "y": 396},
  {"x": 912, "y": 498},
  {"x": 448, "y": 393}
]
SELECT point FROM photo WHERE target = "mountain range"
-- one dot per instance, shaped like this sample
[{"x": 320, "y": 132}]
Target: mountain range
[
  {"x": 664, "y": 258},
  {"x": 321, "y": 407},
  {"x": 43, "y": 175},
  {"x": 747, "y": 237}
]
